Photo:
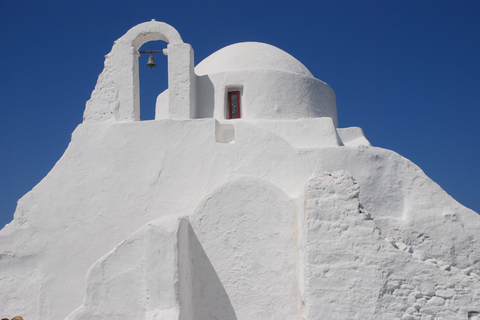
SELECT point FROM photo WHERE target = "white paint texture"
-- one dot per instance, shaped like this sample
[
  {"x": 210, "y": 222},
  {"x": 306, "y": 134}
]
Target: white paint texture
[
  {"x": 116, "y": 94},
  {"x": 277, "y": 215},
  {"x": 353, "y": 272},
  {"x": 274, "y": 85}
]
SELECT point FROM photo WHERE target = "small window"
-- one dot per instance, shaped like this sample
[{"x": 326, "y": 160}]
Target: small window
[{"x": 234, "y": 105}]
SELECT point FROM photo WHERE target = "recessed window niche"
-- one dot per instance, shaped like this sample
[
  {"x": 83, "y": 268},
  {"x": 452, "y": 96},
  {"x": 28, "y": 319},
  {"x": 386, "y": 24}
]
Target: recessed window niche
[{"x": 234, "y": 104}]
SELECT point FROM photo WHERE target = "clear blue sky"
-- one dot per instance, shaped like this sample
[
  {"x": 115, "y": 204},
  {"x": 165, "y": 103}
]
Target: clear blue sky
[{"x": 407, "y": 72}]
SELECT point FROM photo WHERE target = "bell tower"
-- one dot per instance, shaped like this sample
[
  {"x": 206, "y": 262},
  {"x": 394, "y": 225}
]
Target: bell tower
[{"x": 116, "y": 96}]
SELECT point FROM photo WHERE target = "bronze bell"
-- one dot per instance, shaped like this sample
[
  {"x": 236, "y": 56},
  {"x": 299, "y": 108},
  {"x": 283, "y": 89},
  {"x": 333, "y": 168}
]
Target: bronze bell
[{"x": 151, "y": 62}]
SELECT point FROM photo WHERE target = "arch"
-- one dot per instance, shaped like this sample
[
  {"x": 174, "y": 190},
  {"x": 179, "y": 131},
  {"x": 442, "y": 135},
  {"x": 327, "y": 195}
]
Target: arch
[
  {"x": 152, "y": 31},
  {"x": 116, "y": 94}
]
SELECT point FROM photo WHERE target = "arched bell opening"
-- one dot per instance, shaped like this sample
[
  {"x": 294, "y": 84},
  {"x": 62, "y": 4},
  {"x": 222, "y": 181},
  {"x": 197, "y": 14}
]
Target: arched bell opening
[
  {"x": 153, "y": 79},
  {"x": 117, "y": 93}
]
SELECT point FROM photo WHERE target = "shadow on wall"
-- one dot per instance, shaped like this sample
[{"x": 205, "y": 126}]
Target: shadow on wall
[
  {"x": 211, "y": 301},
  {"x": 205, "y": 97}
]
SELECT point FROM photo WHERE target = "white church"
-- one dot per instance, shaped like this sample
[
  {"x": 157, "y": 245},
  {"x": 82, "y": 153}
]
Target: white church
[{"x": 241, "y": 200}]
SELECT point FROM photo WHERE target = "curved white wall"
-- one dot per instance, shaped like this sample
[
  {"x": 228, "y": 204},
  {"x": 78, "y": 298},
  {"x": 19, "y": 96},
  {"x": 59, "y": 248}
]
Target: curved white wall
[
  {"x": 266, "y": 94},
  {"x": 273, "y": 85}
]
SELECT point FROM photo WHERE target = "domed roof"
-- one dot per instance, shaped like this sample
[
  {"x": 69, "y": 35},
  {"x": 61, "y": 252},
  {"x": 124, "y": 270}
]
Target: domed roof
[{"x": 250, "y": 55}]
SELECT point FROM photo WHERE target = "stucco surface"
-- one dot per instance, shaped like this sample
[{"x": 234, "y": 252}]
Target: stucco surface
[
  {"x": 116, "y": 95},
  {"x": 250, "y": 55},
  {"x": 353, "y": 272},
  {"x": 233, "y": 220},
  {"x": 277, "y": 215},
  {"x": 272, "y": 84},
  {"x": 116, "y": 177}
]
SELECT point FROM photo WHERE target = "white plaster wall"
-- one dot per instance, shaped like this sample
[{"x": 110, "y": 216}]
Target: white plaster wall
[
  {"x": 247, "y": 231},
  {"x": 116, "y": 177},
  {"x": 272, "y": 83},
  {"x": 304, "y": 133},
  {"x": 239, "y": 257},
  {"x": 267, "y": 94},
  {"x": 181, "y": 82},
  {"x": 242, "y": 184},
  {"x": 220, "y": 263},
  {"x": 140, "y": 278},
  {"x": 353, "y": 272},
  {"x": 250, "y": 55},
  {"x": 116, "y": 95},
  {"x": 161, "y": 105},
  {"x": 353, "y": 137}
]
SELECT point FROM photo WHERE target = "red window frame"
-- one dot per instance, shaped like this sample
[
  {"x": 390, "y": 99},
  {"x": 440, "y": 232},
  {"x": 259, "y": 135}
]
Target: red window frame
[{"x": 231, "y": 114}]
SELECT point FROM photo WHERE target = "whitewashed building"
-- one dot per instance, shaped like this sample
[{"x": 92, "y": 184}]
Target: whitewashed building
[{"x": 241, "y": 200}]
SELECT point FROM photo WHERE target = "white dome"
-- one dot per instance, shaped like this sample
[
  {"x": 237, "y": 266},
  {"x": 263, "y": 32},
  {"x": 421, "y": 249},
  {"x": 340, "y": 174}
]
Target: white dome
[{"x": 250, "y": 55}]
